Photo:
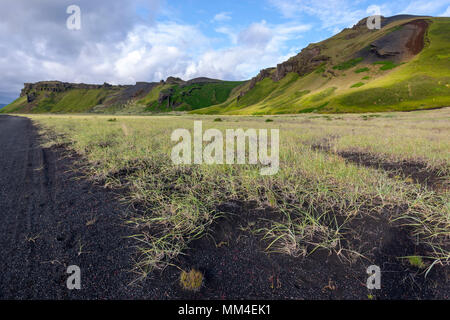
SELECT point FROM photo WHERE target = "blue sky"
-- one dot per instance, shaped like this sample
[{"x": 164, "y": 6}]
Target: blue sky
[{"x": 122, "y": 42}]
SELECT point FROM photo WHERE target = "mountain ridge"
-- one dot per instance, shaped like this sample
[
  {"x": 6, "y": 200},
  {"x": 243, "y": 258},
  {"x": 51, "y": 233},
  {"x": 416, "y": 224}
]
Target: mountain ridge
[{"x": 401, "y": 67}]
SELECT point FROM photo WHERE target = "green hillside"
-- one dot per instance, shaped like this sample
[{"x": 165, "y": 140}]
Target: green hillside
[
  {"x": 171, "y": 95},
  {"x": 353, "y": 79},
  {"x": 401, "y": 67},
  {"x": 70, "y": 101}
]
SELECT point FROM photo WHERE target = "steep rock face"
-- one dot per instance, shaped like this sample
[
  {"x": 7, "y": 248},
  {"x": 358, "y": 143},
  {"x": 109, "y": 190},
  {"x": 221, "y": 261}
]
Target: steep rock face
[
  {"x": 202, "y": 80},
  {"x": 173, "y": 80},
  {"x": 402, "y": 43},
  {"x": 139, "y": 90},
  {"x": 57, "y": 86},
  {"x": 265, "y": 73},
  {"x": 306, "y": 61},
  {"x": 399, "y": 45},
  {"x": 30, "y": 89},
  {"x": 166, "y": 95}
]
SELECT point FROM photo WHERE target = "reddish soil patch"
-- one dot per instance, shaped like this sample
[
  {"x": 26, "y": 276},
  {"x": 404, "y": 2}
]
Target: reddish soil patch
[
  {"x": 399, "y": 45},
  {"x": 416, "y": 42}
]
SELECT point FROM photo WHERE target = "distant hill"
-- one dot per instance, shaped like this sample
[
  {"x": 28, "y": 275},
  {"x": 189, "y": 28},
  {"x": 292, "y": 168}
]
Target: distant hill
[
  {"x": 2, "y": 105},
  {"x": 173, "y": 94},
  {"x": 403, "y": 66}
]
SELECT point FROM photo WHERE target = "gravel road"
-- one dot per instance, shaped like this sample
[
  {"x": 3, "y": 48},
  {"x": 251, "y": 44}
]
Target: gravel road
[{"x": 51, "y": 218}]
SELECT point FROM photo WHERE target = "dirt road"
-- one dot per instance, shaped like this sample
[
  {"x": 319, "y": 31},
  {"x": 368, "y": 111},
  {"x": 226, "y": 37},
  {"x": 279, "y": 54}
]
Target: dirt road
[{"x": 50, "y": 218}]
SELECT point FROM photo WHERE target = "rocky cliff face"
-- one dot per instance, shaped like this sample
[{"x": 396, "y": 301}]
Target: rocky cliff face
[
  {"x": 399, "y": 45},
  {"x": 305, "y": 62},
  {"x": 404, "y": 42},
  {"x": 30, "y": 90},
  {"x": 57, "y": 86}
]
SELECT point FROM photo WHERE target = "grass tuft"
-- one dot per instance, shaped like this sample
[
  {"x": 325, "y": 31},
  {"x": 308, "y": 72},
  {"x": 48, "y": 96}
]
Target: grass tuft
[{"x": 192, "y": 280}]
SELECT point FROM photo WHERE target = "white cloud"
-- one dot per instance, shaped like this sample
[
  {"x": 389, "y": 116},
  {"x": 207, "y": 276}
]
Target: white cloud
[
  {"x": 425, "y": 7},
  {"x": 228, "y": 32},
  {"x": 333, "y": 14},
  {"x": 125, "y": 49},
  {"x": 446, "y": 13},
  {"x": 256, "y": 35},
  {"x": 155, "y": 53},
  {"x": 258, "y": 46},
  {"x": 222, "y": 16}
]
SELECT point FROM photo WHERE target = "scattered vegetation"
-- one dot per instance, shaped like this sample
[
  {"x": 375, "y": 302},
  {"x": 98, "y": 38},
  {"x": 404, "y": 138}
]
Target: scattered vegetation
[
  {"x": 357, "y": 85},
  {"x": 321, "y": 68},
  {"x": 191, "y": 97},
  {"x": 417, "y": 262},
  {"x": 192, "y": 280},
  {"x": 362, "y": 70},
  {"x": 348, "y": 64},
  {"x": 386, "y": 65},
  {"x": 316, "y": 195}
]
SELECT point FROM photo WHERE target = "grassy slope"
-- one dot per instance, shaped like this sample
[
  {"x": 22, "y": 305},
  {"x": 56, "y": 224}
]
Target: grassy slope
[
  {"x": 72, "y": 101},
  {"x": 359, "y": 86},
  {"x": 15, "y": 106},
  {"x": 83, "y": 100}
]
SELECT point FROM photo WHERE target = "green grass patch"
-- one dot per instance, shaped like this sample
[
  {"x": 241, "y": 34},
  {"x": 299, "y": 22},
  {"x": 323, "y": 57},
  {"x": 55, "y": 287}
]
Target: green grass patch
[
  {"x": 357, "y": 85},
  {"x": 386, "y": 65},
  {"x": 416, "y": 261},
  {"x": 321, "y": 68},
  {"x": 362, "y": 70},
  {"x": 348, "y": 64},
  {"x": 322, "y": 94},
  {"x": 419, "y": 88}
]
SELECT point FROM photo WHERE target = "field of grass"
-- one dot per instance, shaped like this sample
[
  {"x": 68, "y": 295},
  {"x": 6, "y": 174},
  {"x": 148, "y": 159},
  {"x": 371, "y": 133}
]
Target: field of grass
[{"x": 318, "y": 195}]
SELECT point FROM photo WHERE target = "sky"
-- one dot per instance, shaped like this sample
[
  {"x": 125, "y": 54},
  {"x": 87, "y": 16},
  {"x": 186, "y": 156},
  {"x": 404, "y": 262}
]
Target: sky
[{"x": 125, "y": 41}]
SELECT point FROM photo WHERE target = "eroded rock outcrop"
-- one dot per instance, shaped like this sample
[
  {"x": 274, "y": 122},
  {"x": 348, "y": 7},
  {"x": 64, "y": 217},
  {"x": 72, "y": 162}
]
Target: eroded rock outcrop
[
  {"x": 305, "y": 62},
  {"x": 58, "y": 86},
  {"x": 404, "y": 42}
]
